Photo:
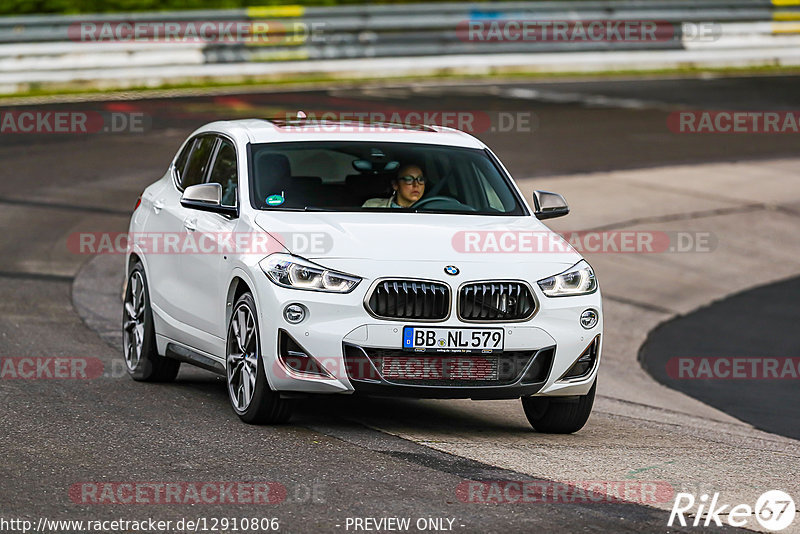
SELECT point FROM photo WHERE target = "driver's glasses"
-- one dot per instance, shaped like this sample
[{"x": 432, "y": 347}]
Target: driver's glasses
[{"x": 408, "y": 180}]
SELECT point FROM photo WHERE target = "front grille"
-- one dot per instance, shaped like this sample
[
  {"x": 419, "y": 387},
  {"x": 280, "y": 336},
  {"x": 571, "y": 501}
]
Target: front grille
[
  {"x": 439, "y": 369},
  {"x": 495, "y": 301},
  {"x": 410, "y": 299}
]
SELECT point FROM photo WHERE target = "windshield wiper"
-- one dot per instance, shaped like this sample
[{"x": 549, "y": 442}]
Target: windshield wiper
[{"x": 314, "y": 208}]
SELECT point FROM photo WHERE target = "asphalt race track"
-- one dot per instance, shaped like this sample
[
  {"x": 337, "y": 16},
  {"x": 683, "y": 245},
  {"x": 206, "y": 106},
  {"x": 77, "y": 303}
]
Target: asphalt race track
[
  {"x": 61, "y": 435},
  {"x": 733, "y": 327}
]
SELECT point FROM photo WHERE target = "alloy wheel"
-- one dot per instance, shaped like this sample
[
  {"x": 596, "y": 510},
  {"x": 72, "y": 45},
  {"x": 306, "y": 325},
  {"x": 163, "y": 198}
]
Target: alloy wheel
[
  {"x": 242, "y": 357},
  {"x": 133, "y": 325}
]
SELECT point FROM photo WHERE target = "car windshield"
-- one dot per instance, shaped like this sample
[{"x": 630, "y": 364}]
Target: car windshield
[{"x": 368, "y": 176}]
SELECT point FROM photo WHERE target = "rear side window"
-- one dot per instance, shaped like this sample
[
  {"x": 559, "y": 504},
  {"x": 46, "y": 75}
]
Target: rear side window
[{"x": 197, "y": 162}]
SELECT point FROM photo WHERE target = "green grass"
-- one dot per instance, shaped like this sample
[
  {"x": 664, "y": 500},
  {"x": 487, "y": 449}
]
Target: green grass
[{"x": 20, "y": 7}]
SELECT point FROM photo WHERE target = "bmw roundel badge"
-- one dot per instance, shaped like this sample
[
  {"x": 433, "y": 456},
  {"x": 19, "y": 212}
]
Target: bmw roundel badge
[{"x": 452, "y": 270}]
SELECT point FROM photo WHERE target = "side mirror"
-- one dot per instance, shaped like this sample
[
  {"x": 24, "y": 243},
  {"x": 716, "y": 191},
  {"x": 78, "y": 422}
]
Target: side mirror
[
  {"x": 206, "y": 197},
  {"x": 547, "y": 205}
]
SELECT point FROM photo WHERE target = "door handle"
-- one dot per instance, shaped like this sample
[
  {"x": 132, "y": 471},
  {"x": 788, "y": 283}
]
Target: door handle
[
  {"x": 158, "y": 205},
  {"x": 190, "y": 224}
]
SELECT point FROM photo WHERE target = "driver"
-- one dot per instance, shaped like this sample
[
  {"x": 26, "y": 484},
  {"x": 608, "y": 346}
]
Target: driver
[{"x": 409, "y": 186}]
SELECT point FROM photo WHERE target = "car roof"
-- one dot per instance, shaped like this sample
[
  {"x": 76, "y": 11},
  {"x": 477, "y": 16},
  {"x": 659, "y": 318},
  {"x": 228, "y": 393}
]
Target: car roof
[{"x": 281, "y": 130}]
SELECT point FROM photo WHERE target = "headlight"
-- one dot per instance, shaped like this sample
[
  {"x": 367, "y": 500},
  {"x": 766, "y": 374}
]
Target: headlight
[
  {"x": 291, "y": 271},
  {"x": 577, "y": 280}
]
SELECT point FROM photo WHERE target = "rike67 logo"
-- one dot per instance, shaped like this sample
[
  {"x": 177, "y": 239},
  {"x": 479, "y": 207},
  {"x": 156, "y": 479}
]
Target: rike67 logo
[{"x": 774, "y": 510}]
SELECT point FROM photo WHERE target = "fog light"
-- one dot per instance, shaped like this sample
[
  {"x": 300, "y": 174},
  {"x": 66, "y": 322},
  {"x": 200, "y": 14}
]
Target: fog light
[
  {"x": 589, "y": 319},
  {"x": 294, "y": 313}
]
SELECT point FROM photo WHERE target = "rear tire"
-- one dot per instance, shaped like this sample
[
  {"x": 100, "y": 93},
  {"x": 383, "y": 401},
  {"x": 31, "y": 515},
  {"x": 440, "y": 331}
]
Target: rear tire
[
  {"x": 248, "y": 390},
  {"x": 139, "y": 335},
  {"x": 551, "y": 415}
]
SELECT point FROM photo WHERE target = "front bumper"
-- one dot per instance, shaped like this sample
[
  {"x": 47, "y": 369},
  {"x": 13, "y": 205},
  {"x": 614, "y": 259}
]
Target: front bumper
[
  {"x": 507, "y": 375},
  {"x": 335, "y": 322}
]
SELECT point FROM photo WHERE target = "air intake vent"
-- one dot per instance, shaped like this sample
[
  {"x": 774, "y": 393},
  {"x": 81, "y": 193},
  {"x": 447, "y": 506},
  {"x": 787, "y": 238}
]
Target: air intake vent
[
  {"x": 440, "y": 369},
  {"x": 410, "y": 299},
  {"x": 495, "y": 301}
]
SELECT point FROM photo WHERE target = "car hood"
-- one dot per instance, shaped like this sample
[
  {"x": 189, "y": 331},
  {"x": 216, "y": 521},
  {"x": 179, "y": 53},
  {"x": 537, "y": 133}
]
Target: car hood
[{"x": 417, "y": 237}]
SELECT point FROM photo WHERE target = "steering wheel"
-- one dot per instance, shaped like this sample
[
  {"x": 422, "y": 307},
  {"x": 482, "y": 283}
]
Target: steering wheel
[{"x": 446, "y": 202}]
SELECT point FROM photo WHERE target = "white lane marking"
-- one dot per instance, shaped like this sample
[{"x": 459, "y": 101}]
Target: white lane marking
[{"x": 519, "y": 93}]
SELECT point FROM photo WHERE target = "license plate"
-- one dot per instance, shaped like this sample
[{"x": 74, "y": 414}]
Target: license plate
[{"x": 480, "y": 340}]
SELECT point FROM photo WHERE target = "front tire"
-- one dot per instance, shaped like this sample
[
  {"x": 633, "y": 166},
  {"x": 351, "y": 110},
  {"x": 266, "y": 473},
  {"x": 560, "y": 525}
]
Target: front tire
[
  {"x": 139, "y": 335},
  {"x": 551, "y": 415},
  {"x": 248, "y": 390}
]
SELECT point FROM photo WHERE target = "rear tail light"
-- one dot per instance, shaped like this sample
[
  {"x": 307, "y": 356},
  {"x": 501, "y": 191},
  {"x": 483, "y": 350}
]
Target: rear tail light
[{"x": 138, "y": 203}]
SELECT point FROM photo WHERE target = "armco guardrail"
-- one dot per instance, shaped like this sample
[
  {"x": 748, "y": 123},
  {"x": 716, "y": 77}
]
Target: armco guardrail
[{"x": 58, "y": 49}]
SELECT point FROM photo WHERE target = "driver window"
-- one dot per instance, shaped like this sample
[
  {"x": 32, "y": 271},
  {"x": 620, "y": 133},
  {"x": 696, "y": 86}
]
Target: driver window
[
  {"x": 223, "y": 172},
  {"x": 180, "y": 162},
  {"x": 198, "y": 161}
]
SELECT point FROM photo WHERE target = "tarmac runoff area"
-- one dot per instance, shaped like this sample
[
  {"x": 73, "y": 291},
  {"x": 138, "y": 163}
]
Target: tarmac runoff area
[
  {"x": 735, "y": 353},
  {"x": 743, "y": 218}
]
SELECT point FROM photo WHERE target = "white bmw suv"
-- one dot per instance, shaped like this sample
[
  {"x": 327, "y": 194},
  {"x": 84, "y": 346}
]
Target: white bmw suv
[{"x": 303, "y": 257}]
